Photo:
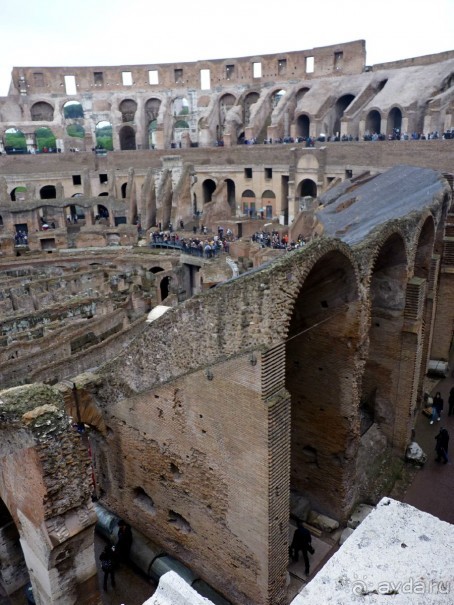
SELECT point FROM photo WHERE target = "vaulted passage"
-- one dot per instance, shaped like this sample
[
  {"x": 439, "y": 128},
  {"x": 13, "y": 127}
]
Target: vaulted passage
[
  {"x": 320, "y": 376},
  {"x": 13, "y": 569},
  {"x": 381, "y": 374}
]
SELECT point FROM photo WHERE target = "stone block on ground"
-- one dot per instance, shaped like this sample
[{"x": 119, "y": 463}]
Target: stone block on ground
[
  {"x": 345, "y": 534},
  {"x": 300, "y": 507},
  {"x": 415, "y": 455},
  {"x": 322, "y": 522},
  {"x": 359, "y": 514}
]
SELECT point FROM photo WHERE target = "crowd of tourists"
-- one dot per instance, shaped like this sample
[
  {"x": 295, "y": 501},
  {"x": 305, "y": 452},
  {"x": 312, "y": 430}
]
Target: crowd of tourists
[
  {"x": 276, "y": 240},
  {"x": 207, "y": 246}
]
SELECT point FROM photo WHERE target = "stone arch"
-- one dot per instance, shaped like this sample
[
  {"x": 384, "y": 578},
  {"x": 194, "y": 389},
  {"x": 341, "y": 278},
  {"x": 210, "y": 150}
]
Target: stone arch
[
  {"x": 306, "y": 187},
  {"x": 43, "y": 455},
  {"x": 339, "y": 108},
  {"x": 424, "y": 250},
  {"x": 48, "y": 192},
  {"x": 301, "y": 94},
  {"x": 303, "y": 126},
  {"x": 45, "y": 140},
  {"x": 124, "y": 189},
  {"x": 103, "y": 133},
  {"x": 388, "y": 282},
  {"x": 18, "y": 194},
  {"x": 394, "y": 123},
  {"x": 152, "y": 107},
  {"x": 226, "y": 102},
  {"x": 15, "y": 141},
  {"x": 208, "y": 188},
  {"x": 72, "y": 110},
  {"x": 268, "y": 208},
  {"x": 231, "y": 194},
  {"x": 276, "y": 96},
  {"x": 164, "y": 287},
  {"x": 152, "y": 128},
  {"x": 42, "y": 112},
  {"x": 248, "y": 201},
  {"x": 373, "y": 122},
  {"x": 321, "y": 347},
  {"x": 248, "y": 102},
  {"x": 156, "y": 269},
  {"x": 127, "y": 138},
  {"x": 128, "y": 108}
]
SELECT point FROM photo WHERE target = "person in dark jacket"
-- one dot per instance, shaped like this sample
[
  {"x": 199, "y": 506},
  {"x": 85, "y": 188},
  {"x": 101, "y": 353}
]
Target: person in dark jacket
[
  {"x": 451, "y": 402},
  {"x": 437, "y": 407},
  {"x": 124, "y": 541},
  {"x": 441, "y": 446},
  {"x": 302, "y": 541},
  {"x": 108, "y": 561}
]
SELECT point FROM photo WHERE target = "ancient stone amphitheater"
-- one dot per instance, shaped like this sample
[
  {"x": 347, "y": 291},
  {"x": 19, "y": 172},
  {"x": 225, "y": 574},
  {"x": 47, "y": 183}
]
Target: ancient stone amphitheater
[{"x": 301, "y": 378}]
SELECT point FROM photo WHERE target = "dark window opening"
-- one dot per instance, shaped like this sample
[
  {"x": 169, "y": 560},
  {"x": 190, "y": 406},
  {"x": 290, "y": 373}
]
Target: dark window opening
[
  {"x": 268, "y": 173},
  {"x": 98, "y": 78},
  {"x": 103, "y": 178},
  {"x": 248, "y": 173},
  {"x": 348, "y": 174},
  {"x": 229, "y": 71},
  {"x": 338, "y": 60},
  {"x": 77, "y": 179},
  {"x": 281, "y": 66},
  {"x": 178, "y": 76},
  {"x": 38, "y": 79}
]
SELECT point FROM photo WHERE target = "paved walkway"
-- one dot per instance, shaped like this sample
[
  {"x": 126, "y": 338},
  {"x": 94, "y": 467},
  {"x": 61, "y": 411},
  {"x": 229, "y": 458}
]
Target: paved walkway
[{"x": 432, "y": 488}]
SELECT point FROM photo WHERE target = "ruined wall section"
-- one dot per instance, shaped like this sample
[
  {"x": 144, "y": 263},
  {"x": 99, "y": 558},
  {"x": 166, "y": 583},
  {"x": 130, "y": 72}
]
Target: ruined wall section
[
  {"x": 52, "y": 78},
  {"x": 56, "y": 525}
]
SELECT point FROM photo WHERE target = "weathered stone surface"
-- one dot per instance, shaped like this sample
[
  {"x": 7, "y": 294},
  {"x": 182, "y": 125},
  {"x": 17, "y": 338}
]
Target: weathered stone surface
[
  {"x": 345, "y": 534},
  {"x": 322, "y": 522},
  {"x": 359, "y": 514}
]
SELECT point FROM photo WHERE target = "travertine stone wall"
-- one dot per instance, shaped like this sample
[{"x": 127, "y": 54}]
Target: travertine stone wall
[{"x": 41, "y": 454}]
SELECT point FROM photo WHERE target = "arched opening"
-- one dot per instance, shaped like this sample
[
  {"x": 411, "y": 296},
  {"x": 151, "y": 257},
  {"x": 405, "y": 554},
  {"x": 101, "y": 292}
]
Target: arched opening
[
  {"x": 381, "y": 372},
  {"x": 128, "y": 109},
  {"x": 152, "y": 107},
  {"x": 276, "y": 97},
  {"x": 303, "y": 126},
  {"x": 395, "y": 122},
  {"x": 45, "y": 140},
  {"x": 249, "y": 101},
  {"x": 13, "y": 568},
  {"x": 152, "y": 128},
  {"x": 301, "y": 94},
  {"x": 103, "y": 133},
  {"x": 102, "y": 212},
  {"x": 15, "y": 141},
  {"x": 1, "y": 220},
  {"x": 164, "y": 287},
  {"x": 18, "y": 194},
  {"x": 248, "y": 202},
  {"x": 341, "y": 105},
  {"x": 226, "y": 102},
  {"x": 124, "y": 190},
  {"x": 104, "y": 194},
  {"x": 75, "y": 130},
  {"x": 373, "y": 122},
  {"x": 180, "y": 128},
  {"x": 231, "y": 195},
  {"x": 268, "y": 207},
  {"x": 156, "y": 269},
  {"x": 208, "y": 187},
  {"x": 48, "y": 192},
  {"x": 127, "y": 138},
  {"x": 42, "y": 112},
  {"x": 72, "y": 110},
  {"x": 307, "y": 187},
  {"x": 321, "y": 349},
  {"x": 75, "y": 213}
]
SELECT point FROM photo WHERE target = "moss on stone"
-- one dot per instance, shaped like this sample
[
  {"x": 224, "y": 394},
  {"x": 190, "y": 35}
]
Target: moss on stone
[{"x": 15, "y": 402}]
